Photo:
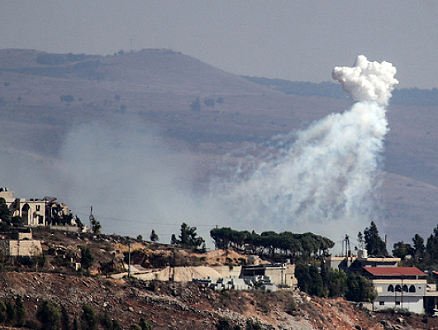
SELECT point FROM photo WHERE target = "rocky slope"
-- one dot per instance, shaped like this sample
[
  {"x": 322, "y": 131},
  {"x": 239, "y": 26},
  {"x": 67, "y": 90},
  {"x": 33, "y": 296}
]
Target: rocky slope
[
  {"x": 168, "y": 304},
  {"x": 171, "y": 305}
]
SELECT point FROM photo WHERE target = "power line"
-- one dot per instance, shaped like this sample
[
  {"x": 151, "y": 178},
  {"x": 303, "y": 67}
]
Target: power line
[{"x": 146, "y": 222}]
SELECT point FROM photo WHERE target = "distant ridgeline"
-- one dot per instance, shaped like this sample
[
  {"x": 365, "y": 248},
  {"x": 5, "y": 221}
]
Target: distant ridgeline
[{"x": 404, "y": 96}]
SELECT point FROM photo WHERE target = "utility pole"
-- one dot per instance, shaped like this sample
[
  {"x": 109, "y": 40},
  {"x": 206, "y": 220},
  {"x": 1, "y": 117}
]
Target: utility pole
[{"x": 129, "y": 260}]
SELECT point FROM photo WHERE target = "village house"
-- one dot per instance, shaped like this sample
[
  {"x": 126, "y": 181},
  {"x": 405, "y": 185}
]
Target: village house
[
  {"x": 35, "y": 212},
  {"x": 398, "y": 287},
  {"x": 403, "y": 288}
]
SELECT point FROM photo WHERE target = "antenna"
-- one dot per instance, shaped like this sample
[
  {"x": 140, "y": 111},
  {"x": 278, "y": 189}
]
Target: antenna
[
  {"x": 346, "y": 241},
  {"x": 91, "y": 217}
]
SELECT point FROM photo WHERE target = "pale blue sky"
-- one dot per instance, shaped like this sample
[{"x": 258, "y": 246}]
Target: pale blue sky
[{"x": 295, "y": 40}]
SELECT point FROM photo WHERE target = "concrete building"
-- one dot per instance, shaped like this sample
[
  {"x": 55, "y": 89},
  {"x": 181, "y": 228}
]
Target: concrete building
[
  {"x": 398, "y": 288},
  {"x": 356, "y": 263},
  {"x": 35, "y": 212},
  {"x": 279, "y": 274}
]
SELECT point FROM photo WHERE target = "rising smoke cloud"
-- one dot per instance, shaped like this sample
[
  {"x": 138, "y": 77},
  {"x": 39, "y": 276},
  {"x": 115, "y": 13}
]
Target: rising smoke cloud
[
  {"x": 325, "y": 179},
  {"x": 322, "y": 179}
]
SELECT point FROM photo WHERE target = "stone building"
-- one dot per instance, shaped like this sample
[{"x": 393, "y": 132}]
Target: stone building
[
  {"x": 22, "y": 246},
  {"x": 35, "y": 212}
]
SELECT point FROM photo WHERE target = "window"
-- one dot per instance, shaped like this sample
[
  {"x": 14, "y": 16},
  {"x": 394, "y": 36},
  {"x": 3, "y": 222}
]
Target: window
[
  {"x": 398, "y": 288},
  {"x": 405, "y": 288},
  {"x": 381, "y": 303},
  {"x": 412, "y": 288},
  {"x": 397, "y": 303},
  {"x": 390, "y": 288}
]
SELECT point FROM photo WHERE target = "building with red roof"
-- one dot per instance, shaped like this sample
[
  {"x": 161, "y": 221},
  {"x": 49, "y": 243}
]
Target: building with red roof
[{"x": 398, "y": 287}]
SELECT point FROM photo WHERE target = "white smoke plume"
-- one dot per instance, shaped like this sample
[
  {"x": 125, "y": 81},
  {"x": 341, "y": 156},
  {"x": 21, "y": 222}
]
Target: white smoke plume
[
  {"x": 325, "y": 180},
  {"x": 367, "y": 81}
]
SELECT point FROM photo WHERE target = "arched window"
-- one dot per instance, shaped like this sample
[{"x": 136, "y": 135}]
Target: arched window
[
  {"x": 390, "y": 288},
  {"x": 25, "y": 213},
  {"x": 398, "y": 288},
  {"x": 412, "y": 288},
  {"x": 405, "y": 288}
]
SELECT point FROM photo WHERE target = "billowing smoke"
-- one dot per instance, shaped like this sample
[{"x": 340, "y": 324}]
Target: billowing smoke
[
  {"x": 367, "y": 81},
  {"x": 324, "y": 179}
]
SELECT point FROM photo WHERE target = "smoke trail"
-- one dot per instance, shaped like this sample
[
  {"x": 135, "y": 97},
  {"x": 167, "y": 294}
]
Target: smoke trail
[{"x": 324, "y": 181}]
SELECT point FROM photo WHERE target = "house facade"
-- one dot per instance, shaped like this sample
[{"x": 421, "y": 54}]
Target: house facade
[
  {"x": 401, "y": 288},
  {"x": 35, "y": 212}
]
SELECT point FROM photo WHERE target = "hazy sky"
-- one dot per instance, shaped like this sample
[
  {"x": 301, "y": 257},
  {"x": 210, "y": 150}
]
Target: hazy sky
[{"x": 295, "y": 40}]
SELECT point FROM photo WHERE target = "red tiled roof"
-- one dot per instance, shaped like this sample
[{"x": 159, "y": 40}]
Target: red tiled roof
[{"x": 394, "y": 271}]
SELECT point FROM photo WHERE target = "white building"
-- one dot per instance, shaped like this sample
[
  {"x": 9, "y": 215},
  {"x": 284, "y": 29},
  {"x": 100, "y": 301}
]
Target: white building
[
  {"x": 35, "y": 212},
  {"x": 398, "y": 288}
]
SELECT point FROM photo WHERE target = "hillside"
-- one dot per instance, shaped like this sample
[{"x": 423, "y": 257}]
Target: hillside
[
  {"x": 188, "y": 306},
  {"x": 168, "y": 304},
  {"x": 201, "y": 112}
]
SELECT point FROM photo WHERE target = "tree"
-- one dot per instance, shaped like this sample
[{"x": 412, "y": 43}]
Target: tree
[
  {"x": 401, "y": 250},
  {"x": 173, "y": 240},
  {"x": 86, "y": 258},
  {"x": 3, "y": 316},
  {"x": 359, "y": 289},
  {"x": 154, "y": 237},
  {"x": 196, "y": 105},
  {"x": 188, "y": 237},
  {"x": 223, "y": 324},
  {"x": 105, "y": 321},
  {"x": 75, "y": 324},
  {"x": 79, "y": 223},
  {"x": 67, "y": 98},
  {"x": 5, "y": 214},
  {"x": 251, "y": 325},
  {"x": 336, "y": 283},
  {"x": 88, "y": 318},
  {"x": 144, "y": 324},
  {"x": 374, "y": 244},
  {"x": 95, "y": 226},
  {"x": 10, "y": 313},
  {"x": 116, "y": 325},
  {"x": 65, "y": 318},
  {"x": 49, "y": 316},
  {"x": 20, "y": 312},
  {"x": 309, "y": 280},
  {"x": 419, "y": 248}
]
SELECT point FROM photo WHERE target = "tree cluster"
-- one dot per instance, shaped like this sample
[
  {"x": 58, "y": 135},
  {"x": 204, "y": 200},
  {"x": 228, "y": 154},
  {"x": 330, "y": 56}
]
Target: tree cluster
[
  {"x": 13, "y": 312},
  {"x": 54, "y": 317},
  {"x": 424, "y": 256},
  {"x": 334, "y": 283},
  {"x": 286, "y": 244}
]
